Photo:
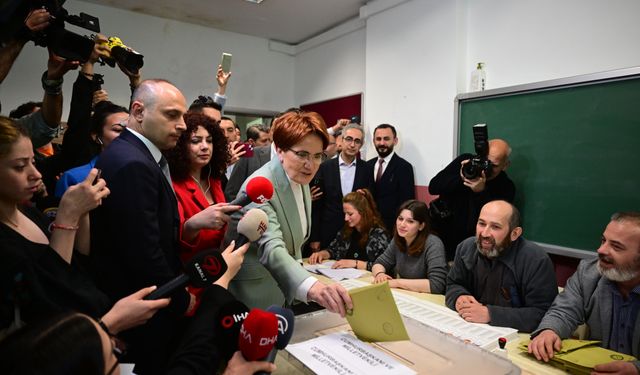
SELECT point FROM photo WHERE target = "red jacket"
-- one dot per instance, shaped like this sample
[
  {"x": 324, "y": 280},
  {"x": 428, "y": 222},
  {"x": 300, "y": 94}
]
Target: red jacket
[{"x": 191, "y": 200}]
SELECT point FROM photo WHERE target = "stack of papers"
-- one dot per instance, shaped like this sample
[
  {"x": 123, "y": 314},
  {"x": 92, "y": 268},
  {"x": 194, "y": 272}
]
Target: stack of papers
[{"x": 336, "y": 274}]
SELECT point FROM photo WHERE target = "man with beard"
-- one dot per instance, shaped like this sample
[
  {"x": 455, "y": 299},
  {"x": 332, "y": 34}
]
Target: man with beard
[
  {"x": 499, "y": 277},
  {"x": 393, "y": 181},
  {"x": 462, "y": 198},
  {"x": 604, "y": 293}
]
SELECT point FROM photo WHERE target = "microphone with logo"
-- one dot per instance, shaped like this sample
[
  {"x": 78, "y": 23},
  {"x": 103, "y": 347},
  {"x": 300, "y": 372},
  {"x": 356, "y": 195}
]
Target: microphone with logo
[
  {"x": 252, "y": 225},
  {"x": 258, "y": 334},
  {"x": 286, "y": 321},
  {"x": 201, "y": 271},
  {"x": 228, "y": 322},
  {"x": 259, "y": 190}
]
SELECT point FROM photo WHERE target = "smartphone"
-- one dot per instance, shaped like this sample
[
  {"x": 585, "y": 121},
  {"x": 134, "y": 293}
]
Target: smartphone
[
  {"x": 98, "y": 176},
  {"x": 248, "y": 150},
  {"x": 225, "y": 62}
]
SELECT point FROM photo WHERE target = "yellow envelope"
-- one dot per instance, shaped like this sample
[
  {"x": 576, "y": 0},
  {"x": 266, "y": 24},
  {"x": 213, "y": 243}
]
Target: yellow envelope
[{"x": 375, "y": 316}]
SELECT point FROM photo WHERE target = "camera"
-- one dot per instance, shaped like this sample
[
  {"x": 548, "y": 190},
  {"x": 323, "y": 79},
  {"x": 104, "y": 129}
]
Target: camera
[
  {"x": 62, "y": 42},
  {"x": 126, "y": 56},
  {"x": 479, "y": 162},
  {"x": 355, "y": 119}
]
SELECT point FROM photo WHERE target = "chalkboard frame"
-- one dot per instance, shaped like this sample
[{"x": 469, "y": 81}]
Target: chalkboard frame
[{"x": 556, "y": 84}]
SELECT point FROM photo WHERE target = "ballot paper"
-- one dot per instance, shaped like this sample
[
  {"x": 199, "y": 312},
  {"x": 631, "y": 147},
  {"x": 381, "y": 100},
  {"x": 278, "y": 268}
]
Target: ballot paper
[
  {"x": 341, "y": 353},
  {"x": 375, "y": 316},
  {"x": 316, "y": 267},
  {"x": 339, "y": 274}
]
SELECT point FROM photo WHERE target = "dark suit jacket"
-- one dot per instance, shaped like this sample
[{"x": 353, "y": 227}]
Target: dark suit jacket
[
  {"x": 244, "y": 168},
  {"x": 134, "y": 244},
  {"x": 396, "y": 186},
  {"x": 328, "y": 216}
]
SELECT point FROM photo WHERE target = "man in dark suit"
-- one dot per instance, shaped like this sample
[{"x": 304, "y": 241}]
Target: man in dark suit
[
  {"x": 134, "y": 232},
  {"x": 244, "y": 168},
  {"x": 393, "y": 176},
  {"x": 336, "y": 178}
]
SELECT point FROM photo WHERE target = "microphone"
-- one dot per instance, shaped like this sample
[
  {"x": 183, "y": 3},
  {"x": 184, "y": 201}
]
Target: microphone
[
  {"x": 201, "y": 271},
  {"x": 259, "y": 190},
  {"x": 258, "y": 334},
  {"x": 228, "y": 322},
  {"x": 251, "y": 226},
  {"x": 286, "y": 321}
]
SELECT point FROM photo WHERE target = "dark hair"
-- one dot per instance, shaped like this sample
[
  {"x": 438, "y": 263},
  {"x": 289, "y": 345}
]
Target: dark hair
[
  {"x": 514, "y": 220},
  {"x": 178, "y": 157},
  {"x": 253, "y": 132},
  {"x": 420, "y": 213},
  {"x": 292, "y": 127},
  {"x": 10, "y": 132},
  {"x": 24, "y": 109},
  {"x": 230, "y": 119},
  {"x": 386, "y": 126},
  {"x": 632, "y": 216},
  {"x": 67, "y": 344},
  {"x": 202, "y": 102},
  {"x": 101, "y": 111},
  {"x": 363, "y": 202}
]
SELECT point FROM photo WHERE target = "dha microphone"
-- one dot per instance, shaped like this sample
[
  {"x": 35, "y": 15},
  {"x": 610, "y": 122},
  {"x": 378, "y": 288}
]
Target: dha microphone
[
  {"x": 286, "y": 321},
  {"x": 258, "y": 334},
  {"x": 228, "y": 322},
  {"x": 252, "y": 225},
  {"x": 201, "y": 271},
  {"x": 259, "y": 190}
]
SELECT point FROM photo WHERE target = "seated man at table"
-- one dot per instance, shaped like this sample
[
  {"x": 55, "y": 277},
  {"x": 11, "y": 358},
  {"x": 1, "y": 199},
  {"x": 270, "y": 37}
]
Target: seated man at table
[
  {"x": 604, "y": 293},
  {"x": 499, "y": 277}
]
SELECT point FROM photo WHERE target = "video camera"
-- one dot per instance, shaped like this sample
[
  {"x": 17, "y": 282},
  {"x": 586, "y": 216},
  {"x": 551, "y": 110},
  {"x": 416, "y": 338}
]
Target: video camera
[
  {"x": 126, "y": 56},
  {"x": 62, "y": 42},
  {"x": 479, "y": 163}
]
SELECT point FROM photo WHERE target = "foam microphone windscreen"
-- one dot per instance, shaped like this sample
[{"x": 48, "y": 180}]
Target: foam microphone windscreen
[
  {"x": 259, "y": 190},
  {"x": 252, "y": 225},
  {"x": 201, "y": 271},
  {"x": 228, "y": 322},
  {"x": 286, "y": 321},
  {"x": 258, "y": 334}
]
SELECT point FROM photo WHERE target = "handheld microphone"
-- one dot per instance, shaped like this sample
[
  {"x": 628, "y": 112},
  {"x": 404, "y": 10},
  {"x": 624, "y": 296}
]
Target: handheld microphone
[
  {"x": 259, "y": 190},
  {"x": 202, "y": 270},
  {"x": 228, "y": 322},
  {"x": 286, "y": 321},
  {"x": 258, "y": 334},
  {"x": 252, "y": 225}
]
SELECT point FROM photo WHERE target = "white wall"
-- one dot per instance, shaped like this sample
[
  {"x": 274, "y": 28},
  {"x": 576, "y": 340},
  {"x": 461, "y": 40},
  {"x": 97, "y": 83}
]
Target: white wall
[{"x": 182, "y": 53}]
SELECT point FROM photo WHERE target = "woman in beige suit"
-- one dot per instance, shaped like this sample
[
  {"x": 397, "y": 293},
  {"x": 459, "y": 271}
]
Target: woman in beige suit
[{"x": 272, "y": 272}]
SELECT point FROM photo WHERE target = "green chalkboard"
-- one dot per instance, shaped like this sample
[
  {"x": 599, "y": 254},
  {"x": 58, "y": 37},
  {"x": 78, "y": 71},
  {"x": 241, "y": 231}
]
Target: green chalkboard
[{"x": 576, "y": 152}]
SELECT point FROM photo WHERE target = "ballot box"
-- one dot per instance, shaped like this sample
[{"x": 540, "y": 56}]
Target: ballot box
[{"x": 429, "y": 351}]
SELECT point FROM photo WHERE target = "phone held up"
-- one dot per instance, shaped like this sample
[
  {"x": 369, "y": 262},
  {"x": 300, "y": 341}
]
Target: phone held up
[{"x": 225, "y": 62}]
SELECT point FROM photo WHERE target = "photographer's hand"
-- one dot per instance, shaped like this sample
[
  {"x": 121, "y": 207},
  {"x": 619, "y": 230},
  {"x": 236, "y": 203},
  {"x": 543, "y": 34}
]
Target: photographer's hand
[
  {"x": 37, "y": 20},
  {"x": 477, "y": 185}
]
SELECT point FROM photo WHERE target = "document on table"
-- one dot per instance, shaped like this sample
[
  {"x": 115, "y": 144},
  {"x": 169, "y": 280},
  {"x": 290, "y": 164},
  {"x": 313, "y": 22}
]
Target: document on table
[
  {"x": 315, "y": 267},
  {"x": 341, "y": 353},
  {"x": 336, "y": 274}
]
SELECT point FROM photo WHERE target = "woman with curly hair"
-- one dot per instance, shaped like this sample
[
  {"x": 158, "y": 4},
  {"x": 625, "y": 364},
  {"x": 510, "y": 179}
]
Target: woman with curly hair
[
  {"x": 197, "y": 164},
  {"x": 362, "y": 239},
  {"x": 415, "y": 253}
]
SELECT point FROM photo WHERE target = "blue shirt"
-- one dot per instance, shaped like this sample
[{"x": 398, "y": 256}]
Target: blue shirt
[
  {"x": 73, "y": 176},
  {"x": 625, "y": 313}
]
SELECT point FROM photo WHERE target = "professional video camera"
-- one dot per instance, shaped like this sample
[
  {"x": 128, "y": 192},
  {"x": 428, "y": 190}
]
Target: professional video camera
[
  {"x": 126, "y": 56},
  {"x": 62, "y": 42},
  {"x": 479, "y": 163}
]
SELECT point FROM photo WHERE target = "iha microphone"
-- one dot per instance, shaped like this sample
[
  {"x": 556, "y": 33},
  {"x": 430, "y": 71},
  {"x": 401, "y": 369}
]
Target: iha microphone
[
  {"x": 259, "y": 190},
  {"x": 286, "y": 320},
  {"x": 252, "y": 225},
  {"x": 258, "y": 334},
  {"x": 228, "y": 323},
  {"x": 202, "y": 270}
]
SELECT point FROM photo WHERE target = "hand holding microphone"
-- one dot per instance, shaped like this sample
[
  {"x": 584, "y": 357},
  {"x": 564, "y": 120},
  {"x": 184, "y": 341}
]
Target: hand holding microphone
[{"x": 203, "y": 269}]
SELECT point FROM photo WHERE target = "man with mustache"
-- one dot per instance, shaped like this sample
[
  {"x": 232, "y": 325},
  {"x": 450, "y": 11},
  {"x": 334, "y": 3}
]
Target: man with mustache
[
  {"x": 393, "y": 181},
  {"x": 604, "y": 293},
  {"x": 499, "y": 277}
]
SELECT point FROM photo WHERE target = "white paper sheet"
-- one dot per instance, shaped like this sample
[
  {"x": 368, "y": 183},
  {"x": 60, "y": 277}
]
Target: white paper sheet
[
  {"x": 338, "y": 274},
  {"x": 341, "y": 353},
  {"x": 315, "y": 267}
]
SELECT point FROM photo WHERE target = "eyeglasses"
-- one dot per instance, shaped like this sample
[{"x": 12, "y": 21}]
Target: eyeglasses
[
  {"x": 357, "y": 141},
  {"x": 306, "y": 156}
]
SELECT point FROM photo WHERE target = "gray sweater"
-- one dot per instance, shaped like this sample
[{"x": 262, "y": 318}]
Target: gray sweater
[{"x": 429, "y": 264}]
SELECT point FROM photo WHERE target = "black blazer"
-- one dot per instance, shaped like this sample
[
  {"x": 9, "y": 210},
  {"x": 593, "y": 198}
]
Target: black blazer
[
  {"x": 245, "y": 168},
  {"x": 134, "y": 244},
  {"x": 327, "y": 214},
  {"x": 396, "y": 186}
]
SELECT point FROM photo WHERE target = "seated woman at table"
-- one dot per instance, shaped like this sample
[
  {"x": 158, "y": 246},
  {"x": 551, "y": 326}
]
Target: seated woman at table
[
  {"x": 362, "y": 239},
  {"x": 415, "y": 253}
]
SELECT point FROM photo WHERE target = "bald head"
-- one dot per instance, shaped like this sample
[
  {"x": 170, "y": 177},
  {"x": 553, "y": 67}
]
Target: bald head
[
  {"x": 499, "y": 151},
  {"x": 498, "y": 225}
]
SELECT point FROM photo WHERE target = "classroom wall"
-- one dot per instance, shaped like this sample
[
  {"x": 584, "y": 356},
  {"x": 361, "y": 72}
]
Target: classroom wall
[{"x": 184, "y": 53}]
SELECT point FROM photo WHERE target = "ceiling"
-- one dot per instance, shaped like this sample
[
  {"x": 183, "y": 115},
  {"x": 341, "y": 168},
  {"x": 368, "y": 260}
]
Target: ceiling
[{"x": 286, "y": 21}]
